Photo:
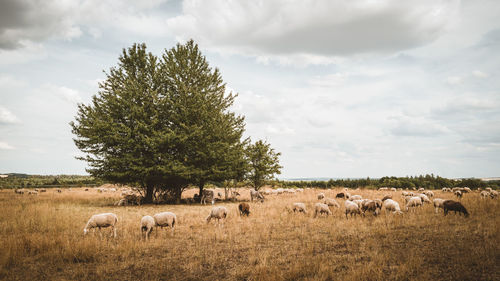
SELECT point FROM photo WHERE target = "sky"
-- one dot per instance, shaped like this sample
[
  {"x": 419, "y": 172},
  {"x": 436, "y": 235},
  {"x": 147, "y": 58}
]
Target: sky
[{"x": 341, "y": 88}]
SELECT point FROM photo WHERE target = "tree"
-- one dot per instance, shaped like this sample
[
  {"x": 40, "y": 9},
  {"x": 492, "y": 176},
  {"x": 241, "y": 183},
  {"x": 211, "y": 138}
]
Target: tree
[
  {"x": 160, "y": 124},
  {"x": 263, "y": 163}
]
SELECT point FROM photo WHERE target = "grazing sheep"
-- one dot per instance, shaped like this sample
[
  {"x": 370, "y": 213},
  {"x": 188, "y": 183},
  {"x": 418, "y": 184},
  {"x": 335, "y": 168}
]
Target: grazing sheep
[
  {"x": 392, "y": 206},
  {"x": 484, "y": 194},
  {"x": 489, "y": 189},
  {"x": 166, "y": 219},
  {"x": 424, "y": 198},
  {"x": 102, "y": 220},
  {"x": 383, "y": 188},
  {"x": 438, "y": 203},
  {"x": 217, "y": 213},
  {"x": 32, "y": 192},
  {"x": 421, "y": 189},
  {"x": 59, "y": 190},
  {"x": 320, "y": 208},
  {"x": 450, "y": 205},
  {"x": 341, "y": 195},
  {"x": 429, "y": 193},
  {"x": 446, "y": 189},
  {"x": 331, "y": 202},
  {"x": 393, "y": 189},
  {"x": 370, "y": 206},
  {"x": 414, "y": 202},
  {"x": 86, "y": 189},
  {"x": 355, "y": 197},
  {"x": 458, "y": 193},
  {"x": 299, "y": 207},
  {"x": 387, "y": 197},
  {"x": 257, "y": 195},
  {"x": 405, "y": 193},
  {"x": 379, "y": 203},
  {"x": 244, "y": 209},
  {"x": 43, "y": 190},
  {"x": 493, "y": 194},
  {"x": 321, "y": 196},
  {"x": 351, "y": 208},
  {"x": 207, "y": 194},
  {"x": 147, "y": 225}
]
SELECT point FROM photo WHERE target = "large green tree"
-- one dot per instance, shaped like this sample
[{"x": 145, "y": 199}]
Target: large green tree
[
  {"x": 160, "y": 123},
  {"x": 263, "y": 163}
]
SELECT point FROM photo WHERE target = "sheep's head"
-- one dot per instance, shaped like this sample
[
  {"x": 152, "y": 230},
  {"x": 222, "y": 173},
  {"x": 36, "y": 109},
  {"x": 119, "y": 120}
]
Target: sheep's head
[{"x": 85, "y": 231}]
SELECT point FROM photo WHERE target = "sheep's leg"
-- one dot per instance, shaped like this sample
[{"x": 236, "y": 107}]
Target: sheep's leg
[{"x": 114, "y": 231}]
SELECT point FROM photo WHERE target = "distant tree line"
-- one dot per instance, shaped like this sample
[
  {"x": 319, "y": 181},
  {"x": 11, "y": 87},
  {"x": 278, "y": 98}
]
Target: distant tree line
[
  {"x": 34, "y": 181},
  {"x": 425, "y": 181}
]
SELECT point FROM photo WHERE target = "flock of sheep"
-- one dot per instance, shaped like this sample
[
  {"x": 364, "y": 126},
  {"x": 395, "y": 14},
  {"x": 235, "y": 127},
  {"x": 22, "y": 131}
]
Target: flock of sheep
[{"x": 354, "y": 205}]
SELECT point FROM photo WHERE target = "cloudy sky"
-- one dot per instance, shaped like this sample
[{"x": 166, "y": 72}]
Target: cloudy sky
[{"x": 341, "y": 88}]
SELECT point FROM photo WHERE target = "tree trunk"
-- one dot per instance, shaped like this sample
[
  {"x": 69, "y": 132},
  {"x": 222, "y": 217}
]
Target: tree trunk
[
  {"x": 200, "y": 186},
  {"x": 149, "y": 194}
]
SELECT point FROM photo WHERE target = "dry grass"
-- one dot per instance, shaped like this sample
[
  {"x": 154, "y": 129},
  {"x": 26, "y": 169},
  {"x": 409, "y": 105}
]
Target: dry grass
[{"x": 41, "y": 238}]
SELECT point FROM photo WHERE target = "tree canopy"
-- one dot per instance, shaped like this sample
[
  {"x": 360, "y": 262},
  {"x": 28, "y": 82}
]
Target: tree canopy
[
  {"x": 161, "y": 123},
  {"x": 263, "y": 163}
]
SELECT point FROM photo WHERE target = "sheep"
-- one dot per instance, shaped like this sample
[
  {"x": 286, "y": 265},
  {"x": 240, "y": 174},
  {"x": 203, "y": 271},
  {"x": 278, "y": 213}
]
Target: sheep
[
  {"x": 351, "y": 208},
  {"x": 33, "y": 192},
  {"x": 86, "y": 189},
  {"x": 217, "y": 213},
  {"x": 466, "y": 189},
  {"x": 355, "y": 197},
  {"x": 379, "y": 203},
  {"x": 299, "y": 207},
  {"x": 489, "y": 189},
  {"x": 43, "y": 190},
  {"x": 257, "y": 195},
  {"x": 393, "y": 189},
  {"x": 102, "y": 220},
  {"x": 331, "y": 202},
  {"x": 341, "y": 195},
  {"x": 429, "y": 193},
  {"x": 421, "y": 189},
  {"x": 358, "y": 202},
  {"x": 320, "y": 208},
  {"x": 450, "y": 205},
  {"x": 371, "y": 206},
  {"x": 405, "y": 193},
  {"x": 383, "y": 188},
  {"x": 424, "y": 198},
  {"x": 414, "y": 202},
  {"x": 207, "y": 194},
  {"x": 484, "y": 194},
  {"x": 244, "y": 209},
  {"x": 446, "y": 189},
  {"x": 387, "y": 197},
  {"x": 438, "y": 203},
  {"x": 165, "y": 219},
  {"x": 458, "y": 193},
  {"x": 392, "y": 206},
  {"x": 321, "y": 196},
  {"x": 19, "y": 191},
  {"x": 147, "y": 225},
  {"x": 493, "y": 194}
]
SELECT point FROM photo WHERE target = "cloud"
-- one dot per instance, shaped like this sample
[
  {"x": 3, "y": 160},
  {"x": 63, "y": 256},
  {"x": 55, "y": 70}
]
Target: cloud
[
  {"x": 417, "y": 127},
  {"x": 317, "y": 28},
  {"x": 479, "y": 74},
  {"x": 5, "y": 146},
  {"x": 64, "y": 93},
  {"x": 7, "y": 117}
]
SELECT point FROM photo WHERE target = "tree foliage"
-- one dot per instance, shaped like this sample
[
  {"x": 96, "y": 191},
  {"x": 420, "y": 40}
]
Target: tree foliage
[
  {"x": 263, "y": 163},
  {"x": 160, "y": 123}
]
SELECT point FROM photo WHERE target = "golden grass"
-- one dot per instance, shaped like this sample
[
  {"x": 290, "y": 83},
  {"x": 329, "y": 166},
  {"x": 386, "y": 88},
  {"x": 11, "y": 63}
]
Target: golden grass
[{"x": 41, "y": 237}]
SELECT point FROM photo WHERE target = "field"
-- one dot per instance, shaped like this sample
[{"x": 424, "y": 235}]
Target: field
[{"x": 41, "y": 237}]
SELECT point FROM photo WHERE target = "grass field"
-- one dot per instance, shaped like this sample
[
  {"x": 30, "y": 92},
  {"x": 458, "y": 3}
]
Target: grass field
[{"x": 41, "y": 238}]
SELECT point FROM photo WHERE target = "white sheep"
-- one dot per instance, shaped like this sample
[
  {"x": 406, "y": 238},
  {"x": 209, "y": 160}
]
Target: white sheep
[
  {"x": 429, "y": 193},
  {"x": 393, "y": 189},
  {"x": 485, "y": 194},
  {"x": 493, "y": 194},
  {"x": 165, "y": 219},
  {"x": 438, "y": 203},
  {"x": 421, "y": 189},
  {"x": 218, "y": 213},
  {"x": 415, "y": 201},
  {"x": 299, "y": 207},
  {"x": 102, "y": 220},
  {"x": 320, "y": 208},
  {"x": 147, "y": 225},
  {"x": 321, "y": 196},
  {"x": 351, "y": 208},
  {"x": 424, "y": 198},
  {"x": 392, "y": 206},
  {"x": 331, "y": 202},
  {"x": 355, "y": 197}
]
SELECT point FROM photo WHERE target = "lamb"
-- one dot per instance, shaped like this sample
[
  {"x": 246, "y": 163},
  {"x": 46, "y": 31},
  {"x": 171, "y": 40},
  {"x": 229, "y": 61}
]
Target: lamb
[
  {"x": 102, "y": 220},
  {"x": 165, "y": 219},
  {"x": 321, "y": 196},
  {"x": 320, "y": 208},
  {"x": 393, "y": 206},
  {"x": 217, "y": 213},
  {"x": 458, "y": 193},
  {"x": 414, "y": 202},
  {"x": 351, "y": 208},
  {"x": 355, "y": 197},
  {"x": 147, "y": 225},
  {"x": 244, "y": 209},
  {"x": 331, "y": 202},
  {"x": 450, "y": 205},
  {"x": 299, "y": 207},
  {"x": 438, "y": 203},
  {"x": 257, "y": 195}
]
